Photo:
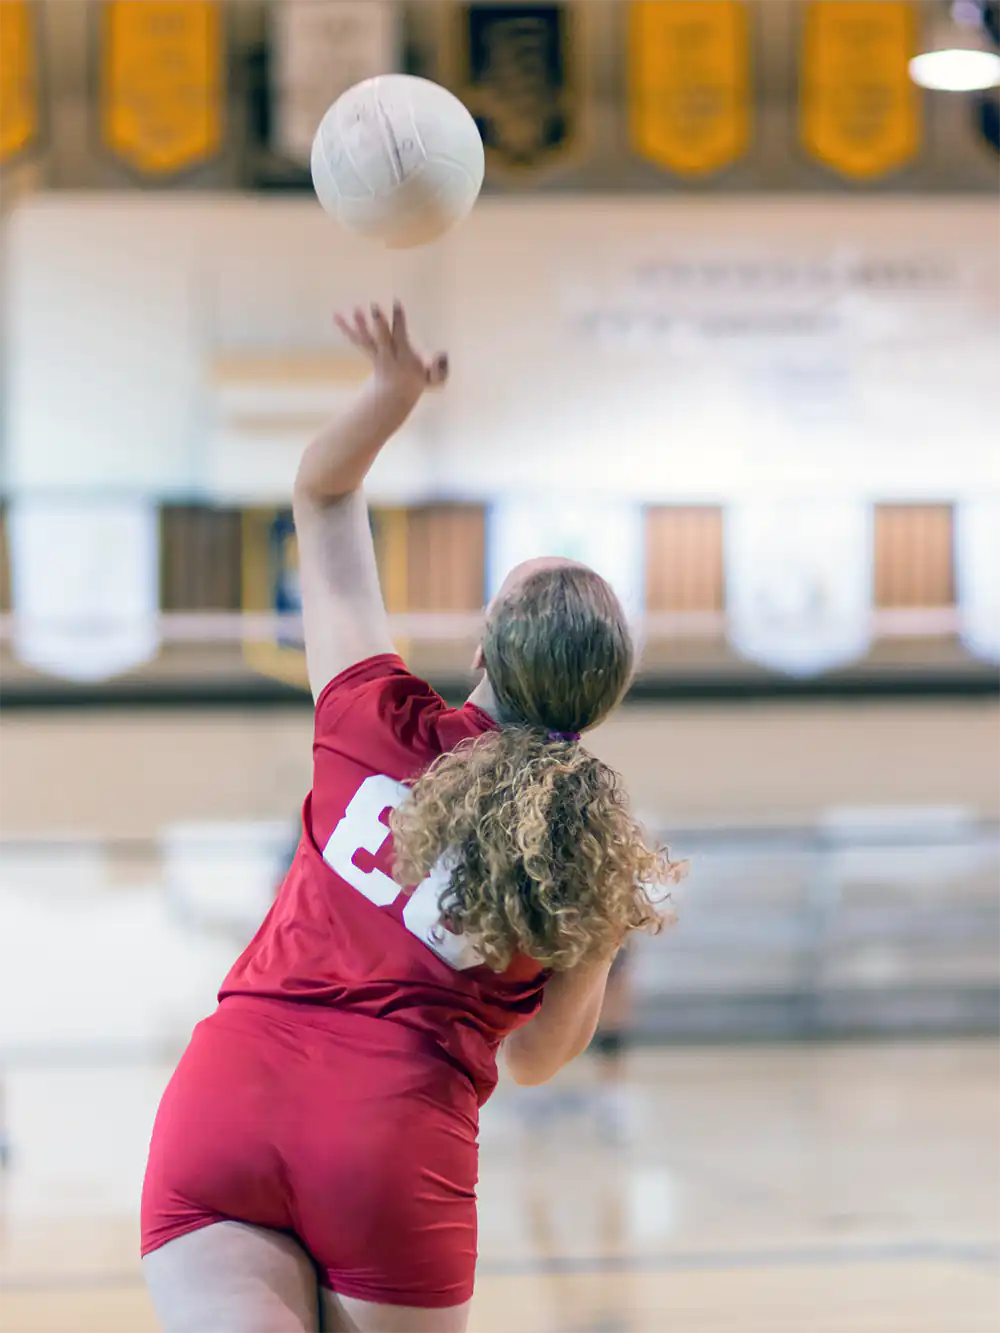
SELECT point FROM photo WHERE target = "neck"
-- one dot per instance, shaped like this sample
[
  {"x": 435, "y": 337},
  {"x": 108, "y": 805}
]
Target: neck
[{"x": 482, "y": 697}]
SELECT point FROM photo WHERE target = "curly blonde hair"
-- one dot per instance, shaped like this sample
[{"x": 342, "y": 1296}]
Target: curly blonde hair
[{"x": 545, "y": 857}]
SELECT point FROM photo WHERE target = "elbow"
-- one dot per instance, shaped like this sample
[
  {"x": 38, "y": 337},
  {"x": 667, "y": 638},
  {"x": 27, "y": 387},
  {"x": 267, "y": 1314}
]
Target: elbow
[
  {"x": 527, "y": 1075},
  {"x": 317, "y": 484},
  {"x": 525, "y": 1066},
  {"x": 306, "y": 490},
  {"x": 302, "y": 494},
  {"x": 309, "y": 496},
  {"x": 531, "y": 1068}
]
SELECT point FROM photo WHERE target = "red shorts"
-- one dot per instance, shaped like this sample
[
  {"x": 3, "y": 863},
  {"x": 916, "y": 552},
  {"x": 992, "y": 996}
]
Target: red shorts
[{"x": 349, "y": 1132}]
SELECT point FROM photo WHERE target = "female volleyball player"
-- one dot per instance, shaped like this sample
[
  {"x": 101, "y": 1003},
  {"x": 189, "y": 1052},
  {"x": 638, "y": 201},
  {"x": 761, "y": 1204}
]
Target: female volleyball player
[{"x": 314, "y": 1158}]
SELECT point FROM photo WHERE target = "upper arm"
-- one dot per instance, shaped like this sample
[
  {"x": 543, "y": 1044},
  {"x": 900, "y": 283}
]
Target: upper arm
[{"x": 342, "y": 608}]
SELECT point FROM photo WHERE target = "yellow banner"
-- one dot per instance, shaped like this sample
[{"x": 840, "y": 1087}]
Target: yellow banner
[
  {"x": 18, "y": 78},
  {"x": 271, "y": 585},
  {"x": 860, "y": 111},
  {"x": 689, "y": 83},
  {"x": 162, "y": 83}
]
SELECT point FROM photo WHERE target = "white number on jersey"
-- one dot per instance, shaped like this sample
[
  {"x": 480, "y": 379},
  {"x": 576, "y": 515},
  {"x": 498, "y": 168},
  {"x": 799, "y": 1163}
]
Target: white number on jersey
[{"x": 362, "y": 829}]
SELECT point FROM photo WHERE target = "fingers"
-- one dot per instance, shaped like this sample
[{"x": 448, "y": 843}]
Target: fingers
[
  {"x": 384, "y": 340},
  {"x": 437, "y": 371},
  {"x": 400, "y": 333},
  {"x": 371, "y": 333},
  {"x": 381, "y": 332},
  {"x": 357, "y": 332},
  {"x": 348, "y": 330}
]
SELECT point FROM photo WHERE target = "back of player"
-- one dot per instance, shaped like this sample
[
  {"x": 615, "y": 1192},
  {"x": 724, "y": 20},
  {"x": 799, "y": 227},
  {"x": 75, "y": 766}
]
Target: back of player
[
  {"x": 464, "y": 879},
  {"x": 350, "y": 1004},
  {"x": 377, "y": 728}
]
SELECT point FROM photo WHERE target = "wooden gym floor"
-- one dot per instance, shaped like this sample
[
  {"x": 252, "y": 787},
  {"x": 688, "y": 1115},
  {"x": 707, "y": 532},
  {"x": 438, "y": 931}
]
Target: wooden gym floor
[{"x": 829, "y": 1189}]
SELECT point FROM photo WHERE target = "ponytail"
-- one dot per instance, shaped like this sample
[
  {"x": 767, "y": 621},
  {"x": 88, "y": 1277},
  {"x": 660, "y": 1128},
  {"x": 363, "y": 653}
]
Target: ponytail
[{"x": 546, "y": 859}]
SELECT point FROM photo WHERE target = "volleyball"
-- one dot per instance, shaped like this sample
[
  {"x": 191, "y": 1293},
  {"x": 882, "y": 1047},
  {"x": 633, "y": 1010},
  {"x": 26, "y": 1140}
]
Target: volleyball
[{"x": 399, "y": 160}]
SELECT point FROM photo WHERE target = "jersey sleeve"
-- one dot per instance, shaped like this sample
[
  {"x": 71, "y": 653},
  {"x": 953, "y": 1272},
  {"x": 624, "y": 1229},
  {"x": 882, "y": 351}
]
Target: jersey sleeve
[{"x": 378, "y": 700}]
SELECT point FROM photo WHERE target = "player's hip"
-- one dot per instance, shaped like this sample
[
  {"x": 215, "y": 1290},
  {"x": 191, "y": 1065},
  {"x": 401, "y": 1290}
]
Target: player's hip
[
  {"x": 276, "y": 1058},
  {"x": 275, "y": 1122}
]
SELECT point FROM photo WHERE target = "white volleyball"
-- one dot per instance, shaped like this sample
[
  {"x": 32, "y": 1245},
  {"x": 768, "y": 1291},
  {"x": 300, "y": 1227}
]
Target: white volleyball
[{"x": 398, "y": 159}]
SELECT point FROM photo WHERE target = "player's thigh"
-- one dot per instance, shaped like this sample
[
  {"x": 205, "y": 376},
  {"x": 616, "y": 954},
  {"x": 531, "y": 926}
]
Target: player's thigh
[
  {"x": 233, "y": 1278},
  {"x": 342, "y": 1314}
]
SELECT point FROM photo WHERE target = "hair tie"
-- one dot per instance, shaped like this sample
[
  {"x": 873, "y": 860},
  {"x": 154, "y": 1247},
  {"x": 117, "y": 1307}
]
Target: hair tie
[{"x": 568, "y": 736}]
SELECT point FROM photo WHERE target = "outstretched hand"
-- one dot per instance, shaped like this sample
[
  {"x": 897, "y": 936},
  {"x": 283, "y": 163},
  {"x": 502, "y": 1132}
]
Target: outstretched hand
[{"x": 387, "y": 345}]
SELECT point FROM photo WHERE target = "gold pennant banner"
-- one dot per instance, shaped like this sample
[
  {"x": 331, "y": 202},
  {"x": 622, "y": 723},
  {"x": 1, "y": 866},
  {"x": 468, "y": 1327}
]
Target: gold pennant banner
[
  {"x": 162, "y": 93},
  {"x": 689, "y": 83},
  {"x": 19, "y": 114},
  {"x": 860, "y": 111}
]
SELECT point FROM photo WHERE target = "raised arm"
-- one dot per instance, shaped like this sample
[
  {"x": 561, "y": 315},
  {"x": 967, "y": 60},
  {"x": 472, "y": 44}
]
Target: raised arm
[{"x": 342, "y": 607}]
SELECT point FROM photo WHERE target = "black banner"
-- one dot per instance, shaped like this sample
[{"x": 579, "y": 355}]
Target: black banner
[{"x": 518, "y": 81}]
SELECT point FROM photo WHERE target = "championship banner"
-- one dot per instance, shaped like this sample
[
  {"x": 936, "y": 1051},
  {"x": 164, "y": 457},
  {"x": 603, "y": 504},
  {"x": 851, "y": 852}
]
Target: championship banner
[
  {"x": 19, "y": 98},
  {"x": 85, "y": 584},
  {"x": 689, "y": 83},
  {"x": 599, "y": 531},
  {"x": 271, "y": 586},
  {"x": 860, "y": 111},
  {"x": 799, "y": 583},
  {"x": 518, "y": 78},
  {"x": 162, "y": 71},
  {"x": 320, "y": 48},
  {"x": 977, "y": 565}
]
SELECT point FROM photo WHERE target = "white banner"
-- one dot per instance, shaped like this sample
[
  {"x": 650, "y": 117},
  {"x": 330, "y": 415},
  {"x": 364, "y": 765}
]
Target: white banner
[
  {"x": 85, "y": 584},
  {"x": 607, "y": 535},
  {"x": 977, "y": 575},
  {"x": 320, "y": 49},
  {"x": 798, "y": 582}
]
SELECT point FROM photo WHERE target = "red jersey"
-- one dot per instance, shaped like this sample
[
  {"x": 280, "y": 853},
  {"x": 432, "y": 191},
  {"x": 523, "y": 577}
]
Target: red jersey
[{"x": 341, "y": 932}]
